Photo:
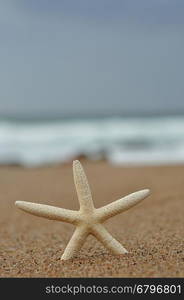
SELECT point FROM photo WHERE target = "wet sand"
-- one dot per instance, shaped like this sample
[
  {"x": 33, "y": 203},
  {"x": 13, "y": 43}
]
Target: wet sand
[{"x": 152, "y": 232}]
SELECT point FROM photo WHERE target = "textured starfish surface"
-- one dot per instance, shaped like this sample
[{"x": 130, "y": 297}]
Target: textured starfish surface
[{"x": 88, "y": 220}]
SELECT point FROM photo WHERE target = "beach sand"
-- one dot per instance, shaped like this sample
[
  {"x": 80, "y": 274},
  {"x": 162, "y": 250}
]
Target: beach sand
[{"x": 152, "y": 232}]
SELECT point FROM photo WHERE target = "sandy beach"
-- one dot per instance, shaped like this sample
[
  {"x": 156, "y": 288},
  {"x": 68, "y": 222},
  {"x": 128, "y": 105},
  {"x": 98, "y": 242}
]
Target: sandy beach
[{"x": 152, "y": 232}]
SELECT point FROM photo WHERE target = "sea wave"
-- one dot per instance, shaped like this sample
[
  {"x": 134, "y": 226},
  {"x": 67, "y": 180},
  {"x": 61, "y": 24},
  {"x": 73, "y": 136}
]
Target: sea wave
[{"x": 124, "y": 141}]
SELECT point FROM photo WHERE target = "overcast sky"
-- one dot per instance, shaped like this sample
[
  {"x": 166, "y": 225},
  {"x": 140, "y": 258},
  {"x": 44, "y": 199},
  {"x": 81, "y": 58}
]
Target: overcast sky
[{"x": 88, "y": 56}]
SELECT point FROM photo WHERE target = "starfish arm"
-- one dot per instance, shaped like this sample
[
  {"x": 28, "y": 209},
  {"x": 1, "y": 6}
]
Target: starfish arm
[
  {"x": 82, "y": 188},
  {"x": 121, "y": 205},
  {"x": 75, "y": 243},
  {"x": 107, "y": 240},
  {"x": 49, "y": 212}
]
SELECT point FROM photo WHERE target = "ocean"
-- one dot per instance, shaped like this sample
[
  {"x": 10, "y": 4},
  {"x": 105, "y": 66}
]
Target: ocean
[{"x": 120, "y": 140}]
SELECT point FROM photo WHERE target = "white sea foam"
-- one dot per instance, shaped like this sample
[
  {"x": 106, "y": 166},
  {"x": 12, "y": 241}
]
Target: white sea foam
[{"x": 120, "y": 140}]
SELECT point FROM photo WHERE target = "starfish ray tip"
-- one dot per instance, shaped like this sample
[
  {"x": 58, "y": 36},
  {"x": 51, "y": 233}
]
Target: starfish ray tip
[
  {"x": 147, "y": 192},
  {"x": 143, "y": 193},
  {"x": 76, "y": 162},
  {"x": 17, "y": 203}
]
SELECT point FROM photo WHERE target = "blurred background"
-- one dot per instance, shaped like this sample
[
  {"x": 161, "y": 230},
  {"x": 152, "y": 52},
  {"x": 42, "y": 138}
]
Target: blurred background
[{"x": 102, "y": 79}]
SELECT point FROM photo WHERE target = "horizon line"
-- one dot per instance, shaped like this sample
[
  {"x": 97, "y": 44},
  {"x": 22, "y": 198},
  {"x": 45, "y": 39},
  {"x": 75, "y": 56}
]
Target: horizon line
[{"x": 58, "y": 116}]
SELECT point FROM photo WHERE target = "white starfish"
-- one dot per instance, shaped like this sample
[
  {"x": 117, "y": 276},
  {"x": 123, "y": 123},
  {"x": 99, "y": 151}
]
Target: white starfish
[{"x": 88, "y": 220}]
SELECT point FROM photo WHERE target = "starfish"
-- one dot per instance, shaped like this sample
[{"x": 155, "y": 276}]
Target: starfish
[{"x": 88, "y": 219}]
